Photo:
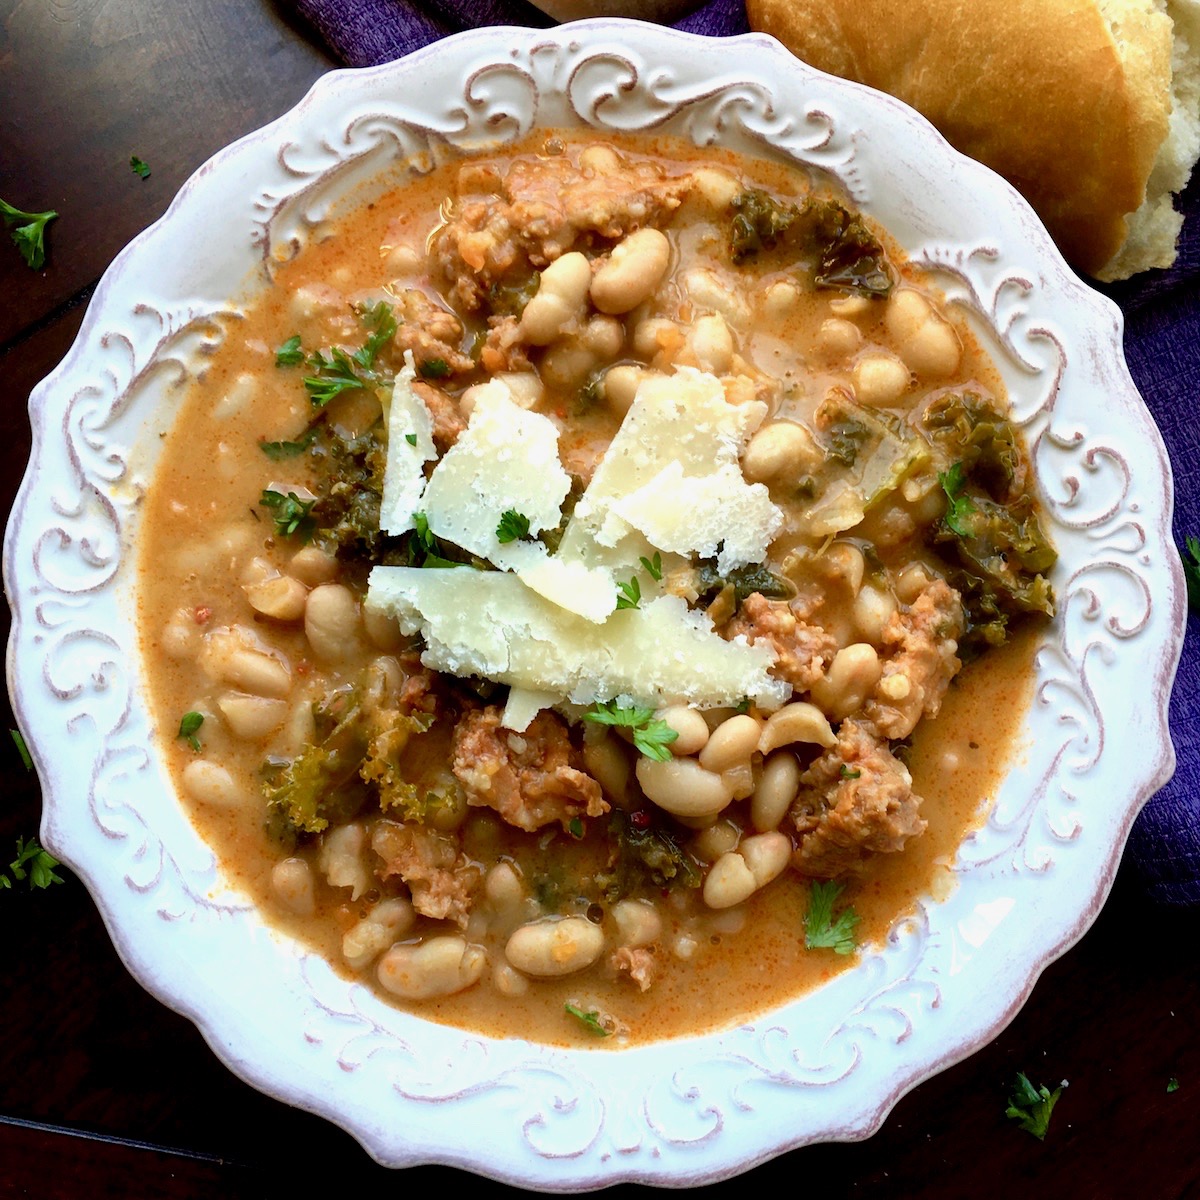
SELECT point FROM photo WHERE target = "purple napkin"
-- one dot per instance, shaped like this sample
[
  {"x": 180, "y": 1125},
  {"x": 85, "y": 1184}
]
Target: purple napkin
[{"x": 1162, "y": 344}]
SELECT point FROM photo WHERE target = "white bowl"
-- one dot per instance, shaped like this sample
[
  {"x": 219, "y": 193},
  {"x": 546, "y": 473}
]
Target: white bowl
[{"x": 829, "y": 1065}]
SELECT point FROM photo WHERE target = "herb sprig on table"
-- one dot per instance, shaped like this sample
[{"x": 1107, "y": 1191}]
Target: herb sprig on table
[
  {"x": 1032, "y": 1106},
  {"x": 28, "y": 232}
]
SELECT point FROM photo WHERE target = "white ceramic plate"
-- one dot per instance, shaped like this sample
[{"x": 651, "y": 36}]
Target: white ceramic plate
[{"x": 827, "y": 1066}]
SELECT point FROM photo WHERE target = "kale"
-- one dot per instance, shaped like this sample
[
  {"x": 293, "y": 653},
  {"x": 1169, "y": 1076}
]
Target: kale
[
  {"x": 840, "y": 249},
  {"x": 745, "y": 581},
  {"x": 844, "y": 440},
  {"x": 508, "y": 297},
  {"x": 346, "y": 512},
  {"x": 984, "y": 441},
  {"x": 647, "y": 855}
]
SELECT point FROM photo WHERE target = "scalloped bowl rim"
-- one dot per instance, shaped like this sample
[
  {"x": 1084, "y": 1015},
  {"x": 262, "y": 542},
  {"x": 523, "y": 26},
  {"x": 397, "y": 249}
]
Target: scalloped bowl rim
[{"x": 670, "y": 1137}]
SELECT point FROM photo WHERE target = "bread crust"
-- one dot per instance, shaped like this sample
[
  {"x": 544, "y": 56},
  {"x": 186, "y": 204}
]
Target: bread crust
[{"x": 1068, "y": 100}]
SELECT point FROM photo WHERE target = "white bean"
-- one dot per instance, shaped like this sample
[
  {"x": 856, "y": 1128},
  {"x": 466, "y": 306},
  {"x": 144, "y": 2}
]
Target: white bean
[
  {"x": 210, "y": 783},
  {"x": 731, "y": 743},
  {"x": 331, "y": 622},
  {"x": 312, "y": 566},
  {"x": 292, "y": 884},
  {"x": 503, "y": 888},
  {"x": 632, "y": 272},
  {"x": 683, "y": 787},
  {"x": 367, "y": 939},
  {"x": 607, "y": 761},
  {"x": 729, "y": 881},
  {"x": 638, "y": 922},
  {"x": 851, "y": 678},
  {"x": 776, "y": 790},
  {"x": 880, "y": 380},
  {"x": 555, "y": 946},
  {"x": 796, "y": 722},
  {"x": 559, "y": 301},
  {"x": 689, "y": 724},
  {"x": 781, "y": 449},
  {"x": 251, "y": 718},
  {"x": 343, "y": 858},
  {"x": 872, "y": 610},
  {"x": 766, "y": 854},
  {"x": 711, "y": 343},
  {"x": 439, "y": 967},
  {"x": 279, "y": 597}
]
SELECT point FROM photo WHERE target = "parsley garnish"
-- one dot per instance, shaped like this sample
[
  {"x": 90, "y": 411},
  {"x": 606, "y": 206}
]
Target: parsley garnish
[
  {"x": 1172, "y": 1085},
  {"x": 32, "y": 862},
  {"x": 629, "y": 595},
  {"x": 290, "y": 354},
  {"x": 28, "y": 232},
  {"x": 651, "y": 735},
  {"x": 653, "y": 569},
  {"x": 411, "y": 438},
  {"x": 427, "y": 545},
  {"x": 824, "y": 931},
  {"x": 1032, "y": 1106},
  {"x": 589, "y": 1020},
  {"x": 291, "y": 514},
  {"x": 380, "y": 319},
  {"x": 278, "y": 450},
  {"x": 140, "y": 168},
  {"x": 188, "y": 727},
  {"x": 850, "y": 773},
  {"x": 334, "y": 375},
  {"x": 513, "y": 526},
  {"x": 22, "y": 749},
  {"x": 1190, "y": 553},
  {"x": 434, "y": 368},
  {"x": 575, "y": 828},
  {"x": 953, "y": 481}
]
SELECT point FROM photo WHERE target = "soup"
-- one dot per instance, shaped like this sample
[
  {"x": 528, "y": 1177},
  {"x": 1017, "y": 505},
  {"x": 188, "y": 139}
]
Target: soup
[{"x": 555, "y": 591}]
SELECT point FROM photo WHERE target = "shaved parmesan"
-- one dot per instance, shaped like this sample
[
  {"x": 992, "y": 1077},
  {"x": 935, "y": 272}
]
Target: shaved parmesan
[
  {"x": 404, "y": 471},
  {"x": 490, "y": 624},
  {"x": 683, "y": 424}
]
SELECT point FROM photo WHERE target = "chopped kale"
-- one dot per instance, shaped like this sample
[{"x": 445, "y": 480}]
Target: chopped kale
[
  {"x": 745, "y": 581},
  {"x": 646, "y": 855}
]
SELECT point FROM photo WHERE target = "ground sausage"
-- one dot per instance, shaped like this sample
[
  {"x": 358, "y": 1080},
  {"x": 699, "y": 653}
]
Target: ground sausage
[
  {"x": 530, "y": 778},
  {"x": 442, "y": 879},
  {"x": 802, "y": 651},
  {"x": 856, "y": 799}
]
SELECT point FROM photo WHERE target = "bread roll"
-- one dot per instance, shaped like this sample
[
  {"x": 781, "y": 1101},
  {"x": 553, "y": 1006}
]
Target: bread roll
[{"x": 1070, "y": 100}]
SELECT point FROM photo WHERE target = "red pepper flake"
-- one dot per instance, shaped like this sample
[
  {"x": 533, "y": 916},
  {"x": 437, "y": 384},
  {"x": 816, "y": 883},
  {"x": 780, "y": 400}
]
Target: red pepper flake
[
  {"x": 640, "y": 819},
  {"x": 303, "y": 667},
  {"x": 202, "y": 614}
]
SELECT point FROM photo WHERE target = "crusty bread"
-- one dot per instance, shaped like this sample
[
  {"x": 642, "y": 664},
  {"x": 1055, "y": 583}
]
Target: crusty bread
[{"x": 1070, "y": 100}]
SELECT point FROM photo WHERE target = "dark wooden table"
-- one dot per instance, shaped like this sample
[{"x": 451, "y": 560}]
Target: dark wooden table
[{"x": 103, "y": 1092}]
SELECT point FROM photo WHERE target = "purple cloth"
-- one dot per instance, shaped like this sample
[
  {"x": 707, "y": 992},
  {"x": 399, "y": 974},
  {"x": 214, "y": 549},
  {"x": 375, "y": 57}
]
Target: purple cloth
[{"x": 1162, "y": 344}]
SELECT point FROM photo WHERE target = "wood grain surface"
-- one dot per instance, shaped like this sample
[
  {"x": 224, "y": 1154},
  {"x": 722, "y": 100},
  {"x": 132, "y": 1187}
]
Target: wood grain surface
[{"x": 103, "y": 1091}]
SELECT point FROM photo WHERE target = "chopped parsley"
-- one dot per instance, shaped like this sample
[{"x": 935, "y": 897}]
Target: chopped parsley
[
  {"x": 1172, "y": 1085},
  {"x": 292, "y": 515},
  {"x": 651, "y": 735},
  {"x": 1190, "y": 553},
  {"x": 411, "y": 438},
  {"x": 850, "y": 772},
  {"x": 334, "y": 375},
  {"x": 189, "y": 726},
  {"x": 1032, "y": 1106},
  {"x": 653, "y": 569},
  {"x": 277, "y": 450},
  {"x": 290, "y": 354},
  {"x": 381, "y": 321},
  {"x": 823, "y": 930},
  {"x": 575, "y": 828},
  {"x": 434, "y": 368},
  {"x": 589, "y": 1020},
  {"x": 629, "y": 595},
  {"x": 32, "y": 863},
  {"x": 139, "y": 167},
  {"x": 953, "y": 481},
  {"x": 28, "y": 232},
  {"x": 513, "y": 527},
  {"x": 22, "y": 749}
]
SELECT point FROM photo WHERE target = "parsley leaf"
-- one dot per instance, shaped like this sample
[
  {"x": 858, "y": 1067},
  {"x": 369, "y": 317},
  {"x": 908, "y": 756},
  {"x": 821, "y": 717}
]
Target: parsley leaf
[
  {"x": 434, "y": 368},
  {"x": 653, "y": 569},
  {"x": 34, "y": 863},
  {"x": 381, "y": 320},
  {"x": 629, "y": 595},
  {"x": 1190, "y": 553},
  {"x": 651, "y": 735},
  {"x": 277, "y": 450},
  {"x": 850, "y": 772},
  {"x": 589, "y": 1020},
  {"x": 824, "y": 931},
  {"x": 513, "y": 526},
  {"x": 334, "y": 375},
  {"x": 140, "y": 168},
  {"x": 1172, "y": 1085},
  {"x": 291, "y": 514},
  {"x": 575, "y": 828},
  {"x": 290, "y": 354},
  {"x": 28, "y": 231},
  {"x": 188, "y": 727},
  {"x": 411, "y": 438},
  {"x": 22, "y": 749},
  {"x": 953, "y": 481},
  {"x": 1032, "y": 1106}
]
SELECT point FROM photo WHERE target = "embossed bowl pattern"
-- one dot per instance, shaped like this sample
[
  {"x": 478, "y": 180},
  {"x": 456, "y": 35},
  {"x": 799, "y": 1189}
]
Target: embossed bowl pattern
[{"x": 829, "y": 1065}]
